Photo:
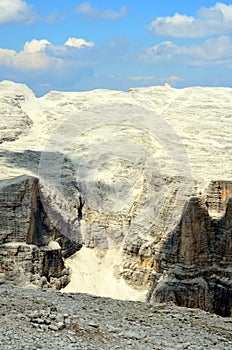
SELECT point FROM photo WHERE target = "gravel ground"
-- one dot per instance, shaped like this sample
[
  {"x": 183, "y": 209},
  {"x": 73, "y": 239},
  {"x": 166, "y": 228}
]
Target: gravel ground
[{"x": 33, "y": 319}]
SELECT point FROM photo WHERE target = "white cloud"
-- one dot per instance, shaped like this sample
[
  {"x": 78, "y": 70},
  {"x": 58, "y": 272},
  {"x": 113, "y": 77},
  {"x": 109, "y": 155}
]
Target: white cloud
[
  {"x": 214, "y": 51},
  {"x": 24, "y": 60},
  {"x": 210, "y": 21},
  {"x": 32, "y": 57},
  {"x": 42, "y": 54},
  {"x": 79, "y": 43},
  {"x": 15, "y": 11},
  {"x": 91, "y": 13},
  {"x": 36, "y": 45}
]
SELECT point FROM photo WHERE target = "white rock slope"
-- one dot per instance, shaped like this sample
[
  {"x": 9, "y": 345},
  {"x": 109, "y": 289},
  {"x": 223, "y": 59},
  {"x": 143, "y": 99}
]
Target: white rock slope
[{"x": 135, "y": 156}]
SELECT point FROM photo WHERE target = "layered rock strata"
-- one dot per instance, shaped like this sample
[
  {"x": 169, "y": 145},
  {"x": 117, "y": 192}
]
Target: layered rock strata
[
  {"x": 31, "y": 248},
  {"x": 192, "y": 266},
  {"x": 147, "y": 171}
]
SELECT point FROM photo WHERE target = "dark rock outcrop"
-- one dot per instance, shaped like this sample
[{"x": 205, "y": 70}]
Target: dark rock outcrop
[
  {"x": 192, "y": 266},
  {"x": 28, "y": 253}
]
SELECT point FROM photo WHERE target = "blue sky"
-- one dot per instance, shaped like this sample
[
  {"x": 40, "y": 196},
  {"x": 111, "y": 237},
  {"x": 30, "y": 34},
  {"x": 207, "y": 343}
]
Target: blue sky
[{"x": 77, "y": 45}]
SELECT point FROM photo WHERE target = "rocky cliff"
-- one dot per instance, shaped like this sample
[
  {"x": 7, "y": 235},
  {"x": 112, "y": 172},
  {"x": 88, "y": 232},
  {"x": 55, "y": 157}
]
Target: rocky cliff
[
  {"x": 31, "y": 249},
  {"x": 192, "y": 266},
  {"x": 146, "y": 172}
]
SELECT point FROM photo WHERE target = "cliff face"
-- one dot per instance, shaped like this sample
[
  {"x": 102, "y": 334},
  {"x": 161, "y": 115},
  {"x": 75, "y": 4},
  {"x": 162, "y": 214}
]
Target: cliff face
[
  {"x": 194, "y": 263},
  {"x": 31, "y": 248},
  {"x": 147, "y": 172},
  {"x": 191, "y": 266}
]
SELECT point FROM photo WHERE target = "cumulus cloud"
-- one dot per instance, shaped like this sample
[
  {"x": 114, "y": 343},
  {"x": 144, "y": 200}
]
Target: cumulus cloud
[
  {"x": 42, "y": 54},
  {"x": 210, "y": 21},
  {"x": 213, "y": 51},
  {"x": 92, "y": 13},
  {"x": 36, "y": 45},
  {"x": 22, "y": 60},
  {"x": 79, "y": 43},
  {"x": 16, "y": 11},
  {"x": 26, "y": 60}
]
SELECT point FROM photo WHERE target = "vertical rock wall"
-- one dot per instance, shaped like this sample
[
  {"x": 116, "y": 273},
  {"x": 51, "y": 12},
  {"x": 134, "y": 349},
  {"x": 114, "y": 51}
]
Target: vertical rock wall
[
  {"x": 26, "y": 252},
  {"x": 193, "y": 265}
]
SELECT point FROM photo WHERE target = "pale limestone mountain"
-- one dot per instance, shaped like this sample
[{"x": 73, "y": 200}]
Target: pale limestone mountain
[{"x": 142, "y": 179}]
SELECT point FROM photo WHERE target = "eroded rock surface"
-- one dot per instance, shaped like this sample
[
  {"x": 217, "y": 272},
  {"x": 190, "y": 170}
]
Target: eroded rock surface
[
  {"x": 31, "y": 248},
  {"x": 147, "y": 171},
  {"x": 195, "y": 261},
  {"x": 14, "y": 122}
]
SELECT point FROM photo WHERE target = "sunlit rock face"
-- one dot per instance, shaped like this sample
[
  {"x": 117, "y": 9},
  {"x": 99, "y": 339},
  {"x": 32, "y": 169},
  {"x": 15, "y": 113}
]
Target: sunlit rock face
[{"x": 143, "y": 175}]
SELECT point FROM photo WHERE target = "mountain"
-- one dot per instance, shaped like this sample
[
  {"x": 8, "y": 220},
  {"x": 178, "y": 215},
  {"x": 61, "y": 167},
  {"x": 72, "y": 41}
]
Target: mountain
[{"x": 137, "y": 183}]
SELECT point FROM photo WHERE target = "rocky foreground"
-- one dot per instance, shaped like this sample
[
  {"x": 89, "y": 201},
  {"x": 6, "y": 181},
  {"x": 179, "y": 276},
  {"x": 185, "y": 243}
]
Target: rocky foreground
[{"x": 31, "y": 319}]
